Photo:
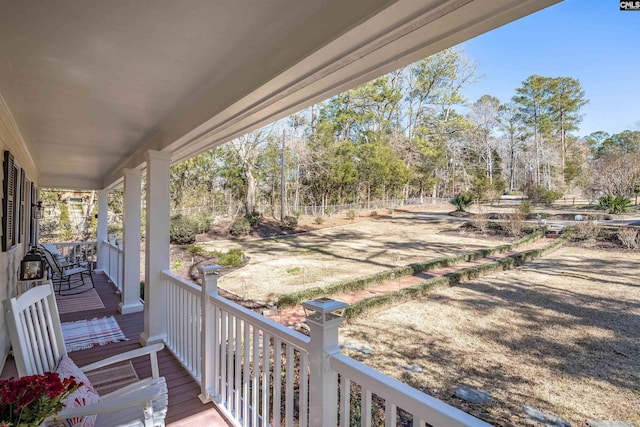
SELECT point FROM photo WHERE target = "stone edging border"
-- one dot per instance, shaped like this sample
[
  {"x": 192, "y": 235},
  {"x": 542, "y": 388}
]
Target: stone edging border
[
  {"x": 451, "y": 279},
  {"x": 296, "y": 298}
]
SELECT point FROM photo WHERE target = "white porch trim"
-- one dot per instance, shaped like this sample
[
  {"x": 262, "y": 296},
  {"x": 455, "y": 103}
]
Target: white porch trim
[
  {"x": 102, "y": 230},
  {"x": 131, "y": 242},
  {"x": 156, "y": 246}
]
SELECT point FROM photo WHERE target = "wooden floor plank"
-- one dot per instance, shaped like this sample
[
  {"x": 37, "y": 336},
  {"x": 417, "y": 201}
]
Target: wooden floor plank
[{"x": 185, "y": 408}]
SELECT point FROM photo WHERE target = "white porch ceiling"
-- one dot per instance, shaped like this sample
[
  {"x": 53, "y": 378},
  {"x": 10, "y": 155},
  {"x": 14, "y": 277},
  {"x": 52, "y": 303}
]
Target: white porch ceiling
[{"x": 93, "y": 85}]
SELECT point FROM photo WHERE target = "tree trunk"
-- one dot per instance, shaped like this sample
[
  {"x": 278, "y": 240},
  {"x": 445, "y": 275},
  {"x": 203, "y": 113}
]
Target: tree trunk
[
  {"x": 563, "y": 142},
  {"x": 512, "y": 160},
  {"x": 251, "y": 191}
]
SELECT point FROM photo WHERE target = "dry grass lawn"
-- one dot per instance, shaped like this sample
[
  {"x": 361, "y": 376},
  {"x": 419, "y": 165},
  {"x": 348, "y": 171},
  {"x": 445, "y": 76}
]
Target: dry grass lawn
[
  {"x": 326, "y": 256},
  {"x": 561, "y": 334}
]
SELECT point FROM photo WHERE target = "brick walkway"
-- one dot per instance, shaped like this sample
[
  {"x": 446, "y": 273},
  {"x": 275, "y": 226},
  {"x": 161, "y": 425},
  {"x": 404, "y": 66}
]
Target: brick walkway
[{"x": 293, "y": 316}]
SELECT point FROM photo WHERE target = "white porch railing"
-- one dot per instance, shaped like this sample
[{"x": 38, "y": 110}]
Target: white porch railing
[
  {"x": 115, "y": 261},
  {"x": 260, "y": 373},
  {"x": 78, "y": 251},
  {"x": 259, "y": 370},
  {"x": 87, "y": 252},
  {"x": 184, "y": 323},
  {"x": 377, "y": 391}
]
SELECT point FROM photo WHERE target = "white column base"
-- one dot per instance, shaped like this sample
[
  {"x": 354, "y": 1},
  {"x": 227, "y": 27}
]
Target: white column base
[
  {"x": 205, "y": 398},
  {"x": 147, "y": 340},
  {"x": 130, "y": 308}
]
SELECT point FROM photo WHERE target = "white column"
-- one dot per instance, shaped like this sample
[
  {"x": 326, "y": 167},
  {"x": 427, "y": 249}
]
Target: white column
[
  {"x": 209, "y": 333},
  {"x": 323, "y": 382},
  {"x": 130, "y": 302},
  {"x": 101, "y": 232},
  {"x": 156, "y": 247}
]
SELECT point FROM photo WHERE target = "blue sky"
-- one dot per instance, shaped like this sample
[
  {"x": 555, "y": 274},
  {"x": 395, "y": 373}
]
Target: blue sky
[{"x": 590, "y": 40}]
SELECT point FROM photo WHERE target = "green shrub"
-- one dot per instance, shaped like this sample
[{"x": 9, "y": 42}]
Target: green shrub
[
  {"x": 615, "y": 204},
  {"x": 481, "y": 187},
  {"x": 213, "y": 254},
  {"x": 115, "y": 229},
  {"x": 254, "y": 218},
  {"x": 203, "y": 222},
  {"x": 195, "y": 249},
  {"x": 182, "y": 230},
  {"x": 232, "y": 258},
  {"x": 318, "y": 220},
  {"x": 605, "y": 201},
  {"x": 374, "y": 213},
  {"x": 351, "y": 214},
  {"x": 541, "y": 195},
  {"x": 240, "y": 227},
  {"x": 462, "y": 201},
  {"x": 291, "y": 221},
  {"x": 176, "y": 264},
  {"x": 64, "y": 223},
  {"x": 294, "y": 270},
  {"x": 526, "y": 207}
]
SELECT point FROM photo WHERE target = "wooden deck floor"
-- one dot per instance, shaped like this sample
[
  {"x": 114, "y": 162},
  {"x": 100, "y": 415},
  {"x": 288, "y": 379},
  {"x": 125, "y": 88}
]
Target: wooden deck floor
[{"x": 185, "y": 409}]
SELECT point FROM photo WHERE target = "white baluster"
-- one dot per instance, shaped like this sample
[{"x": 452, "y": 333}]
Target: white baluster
[
  {"x": 266, "y": 353},
  {"x": 391, "y": 413},
  {"x": 255, "y": 376},
  {"x": 365, "y": 416},
  {"x": 238, "y": 365},
  {"x": 289, "y": 386},
  {"x": 277, "y": 380},
  {"x": 345, "y": 400},
  {"x": 246, "y": 368},
  {"x": 304, "y": 389}
]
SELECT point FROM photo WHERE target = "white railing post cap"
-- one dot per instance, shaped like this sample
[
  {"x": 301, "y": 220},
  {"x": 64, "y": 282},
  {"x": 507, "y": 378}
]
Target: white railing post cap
[
  {"x": 207, "y": 270},
  {"x": 323, "y": 310}
]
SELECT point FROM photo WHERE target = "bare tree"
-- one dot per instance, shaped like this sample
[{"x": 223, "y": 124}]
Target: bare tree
[
  {"x": 484, "y": 115},
  {"x": 247, "y": 148},
  {"x": 512, "y": 143},
  {"x": 617, "y": 174}
]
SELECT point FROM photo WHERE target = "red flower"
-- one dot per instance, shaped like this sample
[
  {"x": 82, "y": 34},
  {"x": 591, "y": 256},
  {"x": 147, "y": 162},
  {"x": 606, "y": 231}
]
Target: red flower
[{"x": 31, "y": 399}]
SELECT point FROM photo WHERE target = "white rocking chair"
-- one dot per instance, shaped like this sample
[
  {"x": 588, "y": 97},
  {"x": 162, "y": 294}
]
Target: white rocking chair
[{"x": 38, "y": 345}]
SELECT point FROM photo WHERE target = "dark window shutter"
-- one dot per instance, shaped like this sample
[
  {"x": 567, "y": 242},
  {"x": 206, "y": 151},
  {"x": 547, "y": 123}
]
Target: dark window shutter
[
  {"x": 34, "y": 219},
  {"x": 8, "y": 235},
  {"x": 23, "y": 201}
]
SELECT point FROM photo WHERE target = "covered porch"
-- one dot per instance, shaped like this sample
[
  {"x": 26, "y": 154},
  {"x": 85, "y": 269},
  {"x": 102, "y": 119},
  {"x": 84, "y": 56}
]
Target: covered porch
[{"x": 98, "y": 97}]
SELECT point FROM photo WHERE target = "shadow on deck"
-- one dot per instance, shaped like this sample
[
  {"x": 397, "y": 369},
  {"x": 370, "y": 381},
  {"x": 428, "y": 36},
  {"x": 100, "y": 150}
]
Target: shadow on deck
[{"x": 185, "y": 409}]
